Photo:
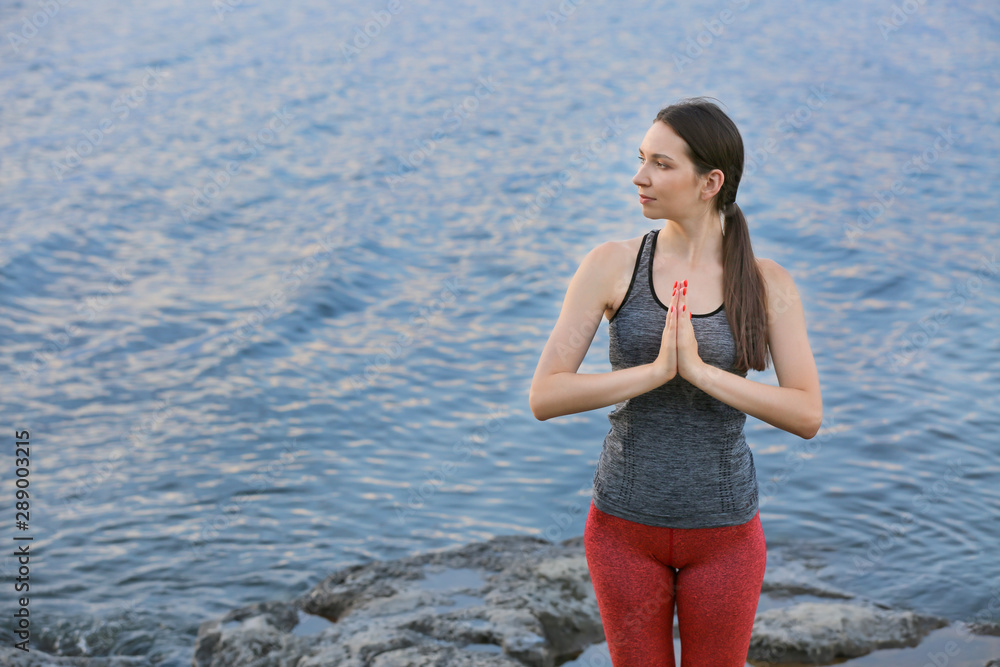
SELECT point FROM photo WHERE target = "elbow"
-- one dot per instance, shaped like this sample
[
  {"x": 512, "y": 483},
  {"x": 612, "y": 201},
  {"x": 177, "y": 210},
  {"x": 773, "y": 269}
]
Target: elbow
[
  {"x": 544, "y": 400},
  {"x": 812, "y": 425},
  {"x": 536, "y": 408}
]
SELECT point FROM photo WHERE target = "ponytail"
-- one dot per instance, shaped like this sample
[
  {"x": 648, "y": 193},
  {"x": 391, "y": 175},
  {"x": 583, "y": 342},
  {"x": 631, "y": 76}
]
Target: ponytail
[{"x": 745, "y": 293}]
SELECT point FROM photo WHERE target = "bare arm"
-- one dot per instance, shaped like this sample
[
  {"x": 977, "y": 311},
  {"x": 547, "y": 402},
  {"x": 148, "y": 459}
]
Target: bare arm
[
  {"x": 556, "y": 388},
  {"x": 796, "y": 405}
]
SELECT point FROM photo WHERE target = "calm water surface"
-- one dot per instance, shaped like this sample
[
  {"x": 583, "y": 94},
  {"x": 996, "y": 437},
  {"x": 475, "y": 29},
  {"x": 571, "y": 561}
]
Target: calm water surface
[{"x": 273, "y": 294}]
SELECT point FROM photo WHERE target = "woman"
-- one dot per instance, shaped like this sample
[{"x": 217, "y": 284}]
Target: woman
[{"x": 674, "y": 513}]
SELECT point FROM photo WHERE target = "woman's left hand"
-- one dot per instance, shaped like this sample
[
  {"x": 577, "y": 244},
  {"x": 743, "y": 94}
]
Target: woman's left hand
[{"x": 689, "y": 364}]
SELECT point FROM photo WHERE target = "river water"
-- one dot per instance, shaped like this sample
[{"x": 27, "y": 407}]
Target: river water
[{"x": 273, "y": 289}]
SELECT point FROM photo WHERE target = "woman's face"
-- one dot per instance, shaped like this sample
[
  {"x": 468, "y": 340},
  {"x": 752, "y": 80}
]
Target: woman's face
[{"x": 667, "y": 176}]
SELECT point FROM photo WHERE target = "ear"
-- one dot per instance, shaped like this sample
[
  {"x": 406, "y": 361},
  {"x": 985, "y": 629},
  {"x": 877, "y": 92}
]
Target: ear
[{"x": 713, "y": 183}]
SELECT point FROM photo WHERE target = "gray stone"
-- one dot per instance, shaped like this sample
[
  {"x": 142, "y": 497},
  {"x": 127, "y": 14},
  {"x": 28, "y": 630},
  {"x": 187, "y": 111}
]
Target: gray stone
[
  {"x": 814, "y": 632},
  {"x": 513, "y": 600},
  {"x": 985, "y": 628},
  {"x": 12, "y": 657}
]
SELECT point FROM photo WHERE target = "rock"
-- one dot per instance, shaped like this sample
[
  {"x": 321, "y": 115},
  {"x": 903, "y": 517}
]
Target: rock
[
  {"x": 814, "y": 632},
  {"x": 511, "y": 601},
  {"x": 985, "y": 628},
  {"x": 12, "y": 657}
]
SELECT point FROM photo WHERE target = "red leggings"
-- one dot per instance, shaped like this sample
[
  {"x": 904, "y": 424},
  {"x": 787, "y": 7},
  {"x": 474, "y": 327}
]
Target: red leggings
[{"x": 638, "y": 571}]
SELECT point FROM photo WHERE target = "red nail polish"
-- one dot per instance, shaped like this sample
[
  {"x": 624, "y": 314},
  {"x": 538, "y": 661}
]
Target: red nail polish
[
  {"x": 674, "y": 292},
  {"x": 675, "y": 283},
  {"x": 685, "y": 282},
  {"x": 685, "y": 291},
  {"x": 683, "y": 308}
]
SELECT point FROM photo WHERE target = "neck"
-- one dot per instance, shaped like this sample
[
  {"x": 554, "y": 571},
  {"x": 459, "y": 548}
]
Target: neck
[{"x": 696, "y": 242}]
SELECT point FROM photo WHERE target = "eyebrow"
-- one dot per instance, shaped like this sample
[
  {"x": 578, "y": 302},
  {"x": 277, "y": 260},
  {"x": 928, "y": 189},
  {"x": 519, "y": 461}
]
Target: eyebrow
[{"x": 660, "y": 155}]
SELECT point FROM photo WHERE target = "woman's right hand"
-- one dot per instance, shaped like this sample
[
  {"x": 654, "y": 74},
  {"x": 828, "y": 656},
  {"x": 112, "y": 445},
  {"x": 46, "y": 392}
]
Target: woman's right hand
[{"x": 666, "y": 360}]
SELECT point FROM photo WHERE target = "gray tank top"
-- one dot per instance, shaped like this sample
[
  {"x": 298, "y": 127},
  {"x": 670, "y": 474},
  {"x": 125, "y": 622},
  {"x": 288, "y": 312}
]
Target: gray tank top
[{"x": 674, "y": 456}]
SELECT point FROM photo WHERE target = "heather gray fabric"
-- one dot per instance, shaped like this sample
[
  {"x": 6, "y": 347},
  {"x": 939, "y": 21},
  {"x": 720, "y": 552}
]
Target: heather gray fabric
[{"x": 674, "y": 456}]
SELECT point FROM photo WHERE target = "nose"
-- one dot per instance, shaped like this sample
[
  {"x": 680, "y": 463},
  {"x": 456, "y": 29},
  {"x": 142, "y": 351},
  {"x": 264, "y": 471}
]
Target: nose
[{"x": 640, "y": 178}]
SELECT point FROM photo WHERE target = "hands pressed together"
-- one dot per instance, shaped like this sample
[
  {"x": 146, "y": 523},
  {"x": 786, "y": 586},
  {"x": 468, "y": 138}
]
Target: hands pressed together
[{"x": 679, "y": 347}]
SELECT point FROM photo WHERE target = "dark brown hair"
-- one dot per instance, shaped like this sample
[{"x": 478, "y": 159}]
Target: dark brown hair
[{"x": 714, "y": 142}]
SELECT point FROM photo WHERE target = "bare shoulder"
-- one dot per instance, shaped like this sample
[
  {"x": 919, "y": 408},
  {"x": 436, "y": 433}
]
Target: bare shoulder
[
  {"x": 775, "y": 275},
  {"x": 619, "y": 260},
  {"x": 621, "y": 252},
  {"x": 610, "y": 258},
  {"x": 782, "y": 294},
  {"x": 767, "y": 266}
]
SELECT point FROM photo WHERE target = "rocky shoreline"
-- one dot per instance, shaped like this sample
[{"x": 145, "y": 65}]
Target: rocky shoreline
[{"x": 517, "y": 601}]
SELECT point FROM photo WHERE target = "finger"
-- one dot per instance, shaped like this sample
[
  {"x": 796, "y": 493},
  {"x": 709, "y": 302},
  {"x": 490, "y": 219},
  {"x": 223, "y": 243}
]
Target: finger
[
  {"x": 682, "y": 295},
  {"x": 677, "y": 307}
]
